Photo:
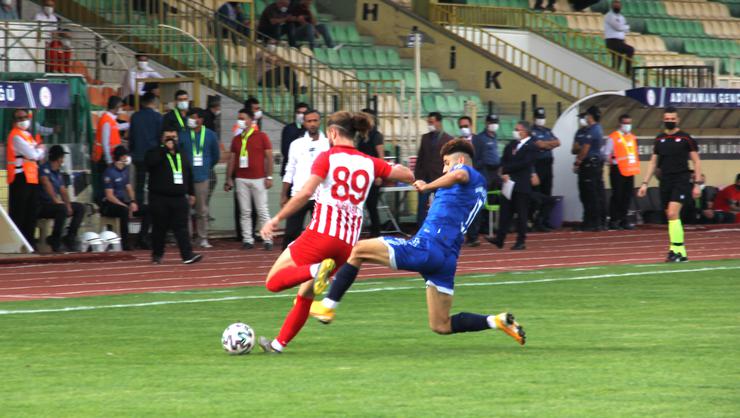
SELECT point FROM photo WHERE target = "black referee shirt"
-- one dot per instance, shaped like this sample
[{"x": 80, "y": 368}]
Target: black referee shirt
[{"x": 673, "y": 152}]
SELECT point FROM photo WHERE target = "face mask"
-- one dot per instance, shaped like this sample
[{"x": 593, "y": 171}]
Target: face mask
[
  {"x": 184, "y": 105},
  {"x": 582, "y": 122},
  {"x": 626, "y": 128},
  {"x": 126, "y": 160},
  {"x": 143, "y": 65},
  {"x": 283, "y": 9},
  {"x": 258, "y": 115},
  {"x": 465, "y": 132},
  {"x": 271, "y": 48},
  {"x": 432, "y": 128},
  {"x": 515, "y": 135},
  {"x": 242, "y": 124},
  {"x": 492, "y": 127},
  {"x": 299, "y": 118},
  {"x": 670, "y": 125},
  {"x": 24, "y": 125},
  {"x": 540, "y": 122},
  {"x": 217, "y": 113},
  {"x": 67, "y": 44},
  {"x": 7, "y": 2},
  {"x": 192, "y": 123},
  {"x": 49, "y": 10}
]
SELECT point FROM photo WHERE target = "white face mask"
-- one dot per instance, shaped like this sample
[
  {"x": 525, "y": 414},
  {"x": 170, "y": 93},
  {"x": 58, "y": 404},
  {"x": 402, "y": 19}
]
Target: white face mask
[
  {"x": 432, "y": 128},
  {"x": 492, "y": 127},
  {"x": 626, "y": 128},
  {"x": 67, "y": 44},
  {"x": 192, "y": 123},
  {"x": 582, "y": 122},
  {"x": 24, "y": 125},
  {"x": 217, "y": 113},
  {"x": 183, "y": 105},
  {"x": 465, "y": 132},
  {"x": 283, "y": 9},
  {"x": 7, "y": 2},
  {"x": 127, "y": 160},
  {"x": 242, "y": 124},
  {"x": 271, "y": 48},
  {"x": 515, "y": 135},
  {"x": 540, "y": 122},
  {"x": 143, "y": 65},
  {"x": 49, "y": 10},
  {"x": 299, "y": 118},
  {"x": 258, "y": 115}
]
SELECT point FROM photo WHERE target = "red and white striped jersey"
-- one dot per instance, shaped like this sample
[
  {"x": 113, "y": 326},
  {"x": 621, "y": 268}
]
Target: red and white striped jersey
[{"x": 348, "y": 175}]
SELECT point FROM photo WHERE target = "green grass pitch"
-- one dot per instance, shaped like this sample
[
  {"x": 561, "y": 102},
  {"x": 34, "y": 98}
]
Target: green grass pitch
[{"x": 617, "y": 341}]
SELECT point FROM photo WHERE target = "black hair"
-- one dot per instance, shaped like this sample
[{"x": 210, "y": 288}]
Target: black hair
[
  {"x": 247, "y": 111},
  {"x": 119, "y": 152},
  {"x": 114, "y": 102},
  {"x": 737, "y": 178},
  {"x": 300, "y": 105},
  {"x": 250, "y": 101},
  {"x": 369, "y": 111},
  {"x": 200, "y": 113},
  {"x": 458, "y": 145},
  {"x": 181, "y": 93},
  {"x": 670, "y": 109},
  {"x": 436, "y": 115},
  {"x": 56, "y": 152},
  {"x": 624, "y": 116},
  {"x": 147, "y": 99},
  {"x": 141, "y": 56},
  {"x": 311, "y": 111},
  {"x": 525, "y": 125},
  {"x": 467, "y": 118}
]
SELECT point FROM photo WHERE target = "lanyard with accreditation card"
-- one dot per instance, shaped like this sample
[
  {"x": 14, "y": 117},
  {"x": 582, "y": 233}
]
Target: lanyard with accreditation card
[
  {"x": 176, "y": 171},
  {"x": 198, "y": 155},
  {"x": 244, "y": 155}
]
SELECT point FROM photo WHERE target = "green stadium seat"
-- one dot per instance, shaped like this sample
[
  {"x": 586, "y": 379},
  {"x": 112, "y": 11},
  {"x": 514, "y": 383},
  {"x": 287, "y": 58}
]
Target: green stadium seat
[
  {"x": 441, "y": 105},
  {"x": 374, "y": 75},
  {"x": 394, "y": 60},
  {"x": 381, "y": 59},
  {"x": 345, "y": 57},
  {"x": 333, "y": 57},
  {"x": 358, "y": 60},
  {"x": 369, "y": 57},
  {"x": 428, "y": 103},
  {"x": 434, "y": 82},
  {"x": 321, "y": 55},
  {"x": 362, "y": 75},
  {"x": 353, "y": 36}
]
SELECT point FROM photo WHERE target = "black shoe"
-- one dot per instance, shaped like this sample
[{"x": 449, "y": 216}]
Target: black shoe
[
  {"x": 267, "y": 246},
  {"x": 519, "y": 246},
  {"x": 538, "y": 8},
  {"x": 542, "y": 228},
  {"x": 673, "y": 257},
  {"x": 475, "y": 243},
  {"x": 550, "y": 8},
  {"x": 156, "y": 259},
  {"x": 495, "y": 241},
  {"x": 615, "y": 226},
  {"x": 247, "y": 246},
  {"x": 193, "y": 259},
  {"x": 71, "y": 244},
  {"x": 626, "y": 225},
  {"x": 55, "y": 246}
]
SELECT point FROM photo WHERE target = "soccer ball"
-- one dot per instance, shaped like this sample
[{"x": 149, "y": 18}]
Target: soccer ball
[{"x": 238, "y": 338}]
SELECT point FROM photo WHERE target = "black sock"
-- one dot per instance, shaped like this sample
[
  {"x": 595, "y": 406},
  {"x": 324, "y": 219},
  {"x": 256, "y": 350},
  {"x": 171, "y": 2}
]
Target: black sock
[
  {"x": 468, "y": 322},
  {"x": 342, "y": 282}
]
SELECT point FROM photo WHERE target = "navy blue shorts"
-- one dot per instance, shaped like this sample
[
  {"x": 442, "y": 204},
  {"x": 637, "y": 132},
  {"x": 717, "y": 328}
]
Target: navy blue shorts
[{"x": 436, "y": 263}]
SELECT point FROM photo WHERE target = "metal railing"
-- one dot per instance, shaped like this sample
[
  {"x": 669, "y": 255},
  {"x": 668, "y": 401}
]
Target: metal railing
[
  {"x": 590, "y": 47},
  {"x": 696, "y": 76}
]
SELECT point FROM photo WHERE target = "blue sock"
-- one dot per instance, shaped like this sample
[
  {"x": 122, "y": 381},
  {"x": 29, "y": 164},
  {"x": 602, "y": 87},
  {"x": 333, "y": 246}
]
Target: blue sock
[
  {"x": 342, "y": 282},
  {"x": 468, "y": 322}
]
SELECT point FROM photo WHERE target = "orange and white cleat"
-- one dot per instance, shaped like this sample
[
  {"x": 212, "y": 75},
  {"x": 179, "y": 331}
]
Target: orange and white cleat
[
  {"x": 506, "y": 323},
  {"x": 322, "y": 313}
]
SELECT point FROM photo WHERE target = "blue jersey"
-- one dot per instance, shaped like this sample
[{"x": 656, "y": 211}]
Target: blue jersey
[{"x": 454, "y": 208}]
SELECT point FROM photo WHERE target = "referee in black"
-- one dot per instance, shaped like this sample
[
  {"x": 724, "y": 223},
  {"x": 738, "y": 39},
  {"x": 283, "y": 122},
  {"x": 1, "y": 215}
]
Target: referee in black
[
  {"x": 671, "y": 152},
  {"x": 171, "y": 194}
]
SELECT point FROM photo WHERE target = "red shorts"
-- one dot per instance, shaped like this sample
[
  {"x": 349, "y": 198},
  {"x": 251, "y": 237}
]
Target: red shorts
[{"x": 312, "y": 247}]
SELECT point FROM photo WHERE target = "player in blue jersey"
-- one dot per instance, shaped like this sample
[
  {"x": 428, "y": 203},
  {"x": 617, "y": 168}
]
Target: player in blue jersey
[{"x": 433, "y": 251}]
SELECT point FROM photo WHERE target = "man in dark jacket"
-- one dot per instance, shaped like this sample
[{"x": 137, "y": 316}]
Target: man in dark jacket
[
  {"x": 429, "y": 161},
  {"x": 177, "y": 118},
  {"x": 171, "y": 194},
  {"x": 517, "y": 165},
  {"x": 144, "y": 134},
  {"x": 291, "y": 132}
]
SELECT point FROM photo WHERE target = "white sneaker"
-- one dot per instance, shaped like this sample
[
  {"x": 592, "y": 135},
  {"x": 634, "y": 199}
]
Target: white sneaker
[{"x": 205, "y": 244}]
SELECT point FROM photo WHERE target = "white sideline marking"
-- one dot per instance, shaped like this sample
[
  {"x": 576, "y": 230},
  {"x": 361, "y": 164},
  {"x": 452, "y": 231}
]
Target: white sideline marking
[{"x": 377, "y": 289}]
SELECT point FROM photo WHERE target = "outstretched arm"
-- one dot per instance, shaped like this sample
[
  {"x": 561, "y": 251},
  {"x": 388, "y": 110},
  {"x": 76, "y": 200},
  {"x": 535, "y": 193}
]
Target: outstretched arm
[{"x": 449, "y": 179}]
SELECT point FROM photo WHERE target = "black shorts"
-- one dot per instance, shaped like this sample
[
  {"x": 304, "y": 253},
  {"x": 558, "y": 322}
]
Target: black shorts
[{"x": 675, "y": 188}]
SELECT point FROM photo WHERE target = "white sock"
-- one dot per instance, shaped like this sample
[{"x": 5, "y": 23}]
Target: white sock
[
  {"x": 491, "y": 321},
  {"x": 314, "y": 269},
  {"x": 277, "y": 346},
  {"x": 331, "y": 304}
]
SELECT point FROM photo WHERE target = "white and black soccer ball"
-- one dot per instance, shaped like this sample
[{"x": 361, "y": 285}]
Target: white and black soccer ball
[{"x": 238, "y": 338}]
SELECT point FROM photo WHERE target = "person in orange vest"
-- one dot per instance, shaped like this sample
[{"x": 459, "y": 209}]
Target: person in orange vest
[
  {"x": 624, "y": 164},
  {"x": 107, "y": 138},
  {"x": 23, "y": 154}
]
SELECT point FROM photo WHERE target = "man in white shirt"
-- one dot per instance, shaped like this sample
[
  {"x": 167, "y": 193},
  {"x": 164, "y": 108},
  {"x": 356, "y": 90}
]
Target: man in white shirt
[
  {"x": 615, "y": 30},
  {"x": 49, "y": 20},
  {"x": 303, "y": 151},
  {"x": 129, "y": 85}
]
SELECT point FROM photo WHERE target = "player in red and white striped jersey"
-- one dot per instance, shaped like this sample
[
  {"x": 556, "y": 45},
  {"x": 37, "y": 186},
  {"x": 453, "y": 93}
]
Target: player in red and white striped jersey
[{"x": 339, "y": 183}]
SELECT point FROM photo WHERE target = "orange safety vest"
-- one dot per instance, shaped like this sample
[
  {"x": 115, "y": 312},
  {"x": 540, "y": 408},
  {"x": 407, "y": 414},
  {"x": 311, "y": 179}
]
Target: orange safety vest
[
  {"x": 115, "y": 137},
  {"x": 625, "y": 152},
  {"x": 30, "y": 167}
]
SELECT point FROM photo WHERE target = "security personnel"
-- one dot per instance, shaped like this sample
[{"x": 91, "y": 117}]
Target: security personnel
[
  {"x": 545, "y": 141},
  {"x": 171, "y": 194},
  {"x": 23, "y": 154},
  {"x": 624, "y": 164},
  {"x": 589, "y": 166},
  {"x": 487, "y": 161},
  {"x": 177, "y": 118},
  {"x": 671, "y": 152},
  {"x": 56, "y": 204}
]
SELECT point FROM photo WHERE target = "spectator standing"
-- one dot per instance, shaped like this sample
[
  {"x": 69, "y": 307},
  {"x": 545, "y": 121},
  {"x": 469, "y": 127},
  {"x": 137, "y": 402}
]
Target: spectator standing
[
  {"x": 429, "y": 161},
  {"x": 56, "y": 204},
  {"x": 615, "y": 31},
  {"x": 372, "y": 144},
  {"x": 486, "y": 161},
  {"x": 171, "y": 195},
  {"x": 146, "y": 127},
  {"x": 291, "y": 132},
  {"x": 727, "y": 203},
  {"x": 49, "y": 20},
  {"x": 231, "y": 15},
  {"x": 624, "y": 164},
  {"x": 306, "y": 27},
  {"x": 213, "y": 122},
  {"x": 517, "y": 165},
  {"x": 59, "y": 53},
  {"x": 301, "y": 156},
  {"x": 250, "y": 167},
  {"x": 275, "y": 22},
  {"x": 589, "y": 166},
  {"x": 464, "y": 123},
  {"x": 119, "y": 200},
  {"x": 129, "y": 85},
  {"x": 200, "y": 145},
  {"x": 23, "y": 153},
  {"x": 545, "y": 141},
  {"x": 176, "y": 119},
  {"x": 7, "y": 10}
]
